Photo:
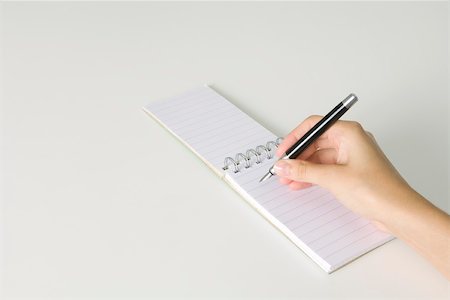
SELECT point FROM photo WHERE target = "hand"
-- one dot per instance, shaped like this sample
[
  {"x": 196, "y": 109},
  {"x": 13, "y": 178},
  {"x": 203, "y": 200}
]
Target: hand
[{"x": 347, "y": 161}]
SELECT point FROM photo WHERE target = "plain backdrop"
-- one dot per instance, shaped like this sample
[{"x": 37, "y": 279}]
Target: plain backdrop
[{"x": 100, "y": 201}]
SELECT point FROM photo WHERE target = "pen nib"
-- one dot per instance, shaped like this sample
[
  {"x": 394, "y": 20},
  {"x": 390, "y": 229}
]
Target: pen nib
[{"x": 267, "y": 176}]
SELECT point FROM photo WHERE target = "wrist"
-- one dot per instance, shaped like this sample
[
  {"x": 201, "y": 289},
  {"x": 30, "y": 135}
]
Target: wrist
[
  {"x": 401, "y": 209},
  {"x": 391, "y": 206}
]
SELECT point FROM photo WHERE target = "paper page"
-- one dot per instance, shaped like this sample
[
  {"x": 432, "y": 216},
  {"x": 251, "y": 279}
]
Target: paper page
[
  {"x": 209, "y": 124},
  {"x": 312, "y": 218}
]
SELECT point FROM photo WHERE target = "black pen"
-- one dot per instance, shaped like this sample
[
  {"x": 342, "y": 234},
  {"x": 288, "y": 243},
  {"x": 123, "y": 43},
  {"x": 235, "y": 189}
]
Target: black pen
[{"x": 316, "y": 131}]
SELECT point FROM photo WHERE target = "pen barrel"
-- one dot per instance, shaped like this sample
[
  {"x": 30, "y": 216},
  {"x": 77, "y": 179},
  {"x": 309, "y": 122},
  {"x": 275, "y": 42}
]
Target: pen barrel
[{"x": 316, "y": 131}]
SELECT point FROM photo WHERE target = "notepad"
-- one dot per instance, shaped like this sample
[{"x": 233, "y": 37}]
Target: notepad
[{"x": 240, "y": 151}]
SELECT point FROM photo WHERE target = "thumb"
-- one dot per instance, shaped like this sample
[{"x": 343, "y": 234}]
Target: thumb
[{"x": 305, "y": 171}]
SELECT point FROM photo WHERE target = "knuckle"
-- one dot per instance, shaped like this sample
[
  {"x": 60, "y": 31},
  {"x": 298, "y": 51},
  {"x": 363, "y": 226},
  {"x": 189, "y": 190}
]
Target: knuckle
[
  {"x": 356, "y": 127},
  {"x": 313, "y": 118},
  {"x": 370, "y": 135},
  {"x": 300, "y": 170}
]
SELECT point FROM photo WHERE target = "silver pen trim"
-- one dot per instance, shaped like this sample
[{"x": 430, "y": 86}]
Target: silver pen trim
[
  {"x": 350, "y": 100},
  {"x": 272, "y": 170}
]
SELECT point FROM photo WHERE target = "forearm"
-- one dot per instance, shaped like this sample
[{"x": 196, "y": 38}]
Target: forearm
[{"x": 423, "y": 226}]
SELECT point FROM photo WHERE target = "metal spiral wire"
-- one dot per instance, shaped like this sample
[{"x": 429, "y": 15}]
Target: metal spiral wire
[{"x": 245, "y": 159}]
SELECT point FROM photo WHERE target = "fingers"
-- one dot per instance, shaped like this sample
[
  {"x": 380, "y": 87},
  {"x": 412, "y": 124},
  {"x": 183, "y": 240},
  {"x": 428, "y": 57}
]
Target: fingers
[
  {"x": 297, "y": 133},
  {"x": 326, "y": 140},
  {"x": 285, "y": 180},
  {"x": 324, "y": 156},
  {"x": 304, "y": 171},
  {"x": 296, "y": 185},
  {"x": 324, "y": 159}
]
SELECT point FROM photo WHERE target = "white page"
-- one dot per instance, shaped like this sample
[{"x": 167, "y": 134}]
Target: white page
[
  {"x": 312, "y": 218},
  {"x": 209, "y": 124}
]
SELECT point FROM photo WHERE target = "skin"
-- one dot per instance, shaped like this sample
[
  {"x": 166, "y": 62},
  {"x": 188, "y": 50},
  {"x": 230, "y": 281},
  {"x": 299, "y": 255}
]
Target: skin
[{"x": 347, "y": 161}]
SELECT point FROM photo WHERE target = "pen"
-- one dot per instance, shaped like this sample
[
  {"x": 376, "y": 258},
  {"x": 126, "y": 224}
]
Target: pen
[{"x": 316, "y": 131}]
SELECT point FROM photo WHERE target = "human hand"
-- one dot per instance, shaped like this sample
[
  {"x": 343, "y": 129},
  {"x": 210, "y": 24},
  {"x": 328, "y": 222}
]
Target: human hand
[{"x": 347, "y": 161}]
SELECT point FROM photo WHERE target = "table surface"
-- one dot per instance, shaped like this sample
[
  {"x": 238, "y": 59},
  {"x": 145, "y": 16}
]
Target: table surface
[{"x": 101, "y": 201}]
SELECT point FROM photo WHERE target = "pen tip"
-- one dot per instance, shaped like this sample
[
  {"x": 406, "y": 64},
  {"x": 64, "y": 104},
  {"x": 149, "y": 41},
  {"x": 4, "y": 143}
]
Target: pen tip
[{"x": 265, "y": 177}]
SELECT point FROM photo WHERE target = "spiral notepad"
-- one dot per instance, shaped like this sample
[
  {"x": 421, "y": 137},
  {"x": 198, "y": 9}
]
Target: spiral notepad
[{"x": 240, "y": 151}]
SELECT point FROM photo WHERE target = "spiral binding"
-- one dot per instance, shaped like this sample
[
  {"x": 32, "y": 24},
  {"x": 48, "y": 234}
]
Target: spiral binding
[{"x": 246, "y": 158}]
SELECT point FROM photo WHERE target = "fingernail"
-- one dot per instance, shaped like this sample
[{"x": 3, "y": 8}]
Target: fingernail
[{"x": 282, "y": 168}]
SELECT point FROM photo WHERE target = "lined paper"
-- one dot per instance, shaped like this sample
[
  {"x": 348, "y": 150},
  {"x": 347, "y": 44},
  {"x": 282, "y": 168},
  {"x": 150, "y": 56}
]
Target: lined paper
[
  {"x": 211, "y": 126},
  {"x": 311, "y": 218}
]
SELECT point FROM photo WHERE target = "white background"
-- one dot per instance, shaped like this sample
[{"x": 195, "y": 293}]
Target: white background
[{"x": 100, "y": 201}]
